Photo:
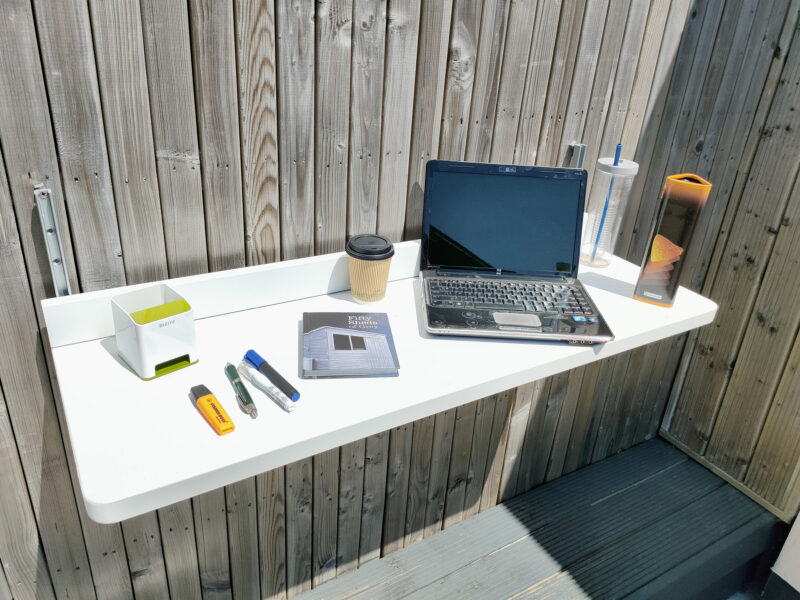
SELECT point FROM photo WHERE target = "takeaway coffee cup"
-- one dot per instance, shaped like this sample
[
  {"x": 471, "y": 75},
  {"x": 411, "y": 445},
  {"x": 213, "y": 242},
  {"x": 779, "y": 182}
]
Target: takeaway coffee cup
[{"x": 368, "y": 257}]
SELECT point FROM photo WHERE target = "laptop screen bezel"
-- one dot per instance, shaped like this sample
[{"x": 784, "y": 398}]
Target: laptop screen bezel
[{"x": 433, "y": 166}]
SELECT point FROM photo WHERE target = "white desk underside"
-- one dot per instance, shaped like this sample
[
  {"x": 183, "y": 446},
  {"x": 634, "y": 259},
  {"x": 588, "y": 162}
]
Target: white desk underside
[{"x": 142, "y": 445}]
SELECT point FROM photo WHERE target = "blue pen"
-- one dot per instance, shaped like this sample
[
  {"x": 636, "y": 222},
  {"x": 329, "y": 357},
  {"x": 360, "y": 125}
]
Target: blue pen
[
  {"x": 608, "y": 199},
  {"x": 252, "y": 357}
]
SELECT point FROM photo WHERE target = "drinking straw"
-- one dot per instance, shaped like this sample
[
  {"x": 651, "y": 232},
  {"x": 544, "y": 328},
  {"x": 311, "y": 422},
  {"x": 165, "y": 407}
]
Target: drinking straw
[{"x": 608, "y": 199}]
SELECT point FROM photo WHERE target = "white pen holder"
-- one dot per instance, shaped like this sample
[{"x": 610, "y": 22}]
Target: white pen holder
[{"x": 155, "y": 332}]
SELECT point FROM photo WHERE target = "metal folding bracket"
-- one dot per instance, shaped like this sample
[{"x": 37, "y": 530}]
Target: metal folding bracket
[
  {"x": 577, "y": 155},
  {"x": 52, "y": 240}
]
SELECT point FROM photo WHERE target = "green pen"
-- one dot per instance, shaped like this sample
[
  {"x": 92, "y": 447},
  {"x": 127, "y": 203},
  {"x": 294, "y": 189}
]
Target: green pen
[{"x": 242, "y": 396}]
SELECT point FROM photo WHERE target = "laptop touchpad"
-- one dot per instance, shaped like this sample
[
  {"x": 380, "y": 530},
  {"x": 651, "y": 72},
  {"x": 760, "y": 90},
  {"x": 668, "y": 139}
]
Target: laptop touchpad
[{"x": 517, "y": 319}]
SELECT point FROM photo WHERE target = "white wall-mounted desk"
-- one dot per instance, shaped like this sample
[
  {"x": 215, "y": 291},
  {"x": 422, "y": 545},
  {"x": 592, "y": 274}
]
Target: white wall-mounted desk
[{"x": 140, "y": 445}]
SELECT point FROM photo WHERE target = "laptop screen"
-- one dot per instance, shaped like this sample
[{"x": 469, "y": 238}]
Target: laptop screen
[{"x": 523, "y": 220}]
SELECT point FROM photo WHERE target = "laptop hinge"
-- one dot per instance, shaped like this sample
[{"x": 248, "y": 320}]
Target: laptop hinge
[{"x": 499, "y": 271}]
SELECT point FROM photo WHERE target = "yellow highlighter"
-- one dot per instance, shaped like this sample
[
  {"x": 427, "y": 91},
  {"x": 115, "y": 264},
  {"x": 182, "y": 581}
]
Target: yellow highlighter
[{"x": 211, "y": 409}]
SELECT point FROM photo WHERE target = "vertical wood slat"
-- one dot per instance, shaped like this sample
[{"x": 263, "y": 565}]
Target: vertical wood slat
[
  {"x": 212, "y": 544},
  {"x": 532, "y": 449},
  {"x": 351, "y": 492},
  {"x": 366, "y": 105},
  {"x": 180, "y": 549},
  {"x": 214, "y": 59},
  {"x": 419, "y": 473},
  {"x": 299, "y": 518},
  {"x": 588, "y": 56},
  {"x": 486, "y": 83},
  {"x": 526, "y": 398},
  {"x": 325, "y": 521},
  {"x": 241, "y": 506},
  {"x": 536, "y": 83},
  {"x": 271, "y": 488},
  {"x": 26, "y": 134},
  {"x": 376, "y": 463},
  {"x": 65, "y": 40},
  {"x": 167, "y": 49},
  {"x": 397, "y": 481},
  {"x": 28, "y": 143},
  {"x": 402, "y": 36},
  {"x": 434, "y": 27},
  {"x": 521, "y": 20},
  {"x": 560, "y": 82},
  {"x": 740, "y": 271},
  {"x": 334, "y": 20},
  {"x": 5, "y": 591},
  {"x": 145, "y": 557},
  {"x": 459, "y": 463},
  {"x": 117, "y": 28},
  {"x": 465, "y": 30},
  {"x": 496, "y": 449},
  {"x": 255, "y": 51},
  {"x": 439, "y": 469},
  {"x": 479, "y": 456},
  {"x": 21, "y": 554},
  {"x": 296, "y": 126}
]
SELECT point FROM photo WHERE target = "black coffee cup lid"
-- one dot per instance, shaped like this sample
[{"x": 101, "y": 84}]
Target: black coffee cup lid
[{"x": 369, "y": 247}]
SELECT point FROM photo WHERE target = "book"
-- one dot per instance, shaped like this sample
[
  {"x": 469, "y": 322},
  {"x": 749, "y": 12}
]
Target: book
[{"x": 341, "y": 344}]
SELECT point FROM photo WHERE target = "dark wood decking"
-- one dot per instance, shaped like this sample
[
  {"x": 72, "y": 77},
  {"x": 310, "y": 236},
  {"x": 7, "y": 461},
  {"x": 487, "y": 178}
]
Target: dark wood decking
[{"x": 646, "y": 523}]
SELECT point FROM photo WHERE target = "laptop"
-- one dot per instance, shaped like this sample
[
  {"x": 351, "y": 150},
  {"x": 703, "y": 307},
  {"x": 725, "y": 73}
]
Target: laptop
[{"x": 500, "y": 251}]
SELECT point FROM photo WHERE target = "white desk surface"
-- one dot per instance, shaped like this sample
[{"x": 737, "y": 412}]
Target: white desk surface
[{"x": 142, "y": 445}]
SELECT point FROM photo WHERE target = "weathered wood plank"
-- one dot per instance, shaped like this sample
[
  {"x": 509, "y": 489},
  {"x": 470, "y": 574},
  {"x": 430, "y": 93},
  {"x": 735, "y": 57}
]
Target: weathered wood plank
[
  {"x": 295, "y": 30},
  {"x": 402, "y": 36},
  {"x": 214, "y": 60},
  {"x": 497, "y": 449},
  {"x": 418, "y": 477},
  {"x": 440, "y": 466},
  {"x": 65, "y": 41},
  {"x": 28, "y": 144},
  {"x": 240, "y": 504},
  {"x": 21, "y": 555},
  {"x": 397, "y": 478},
  {"x": 535, "y": 447},
  {"x": 748, "y": 248},
  {"x": 5, "y": 592},
  {"x": 326, "y": 499},
  {"x": 26, "y": 388},
  {"x": 681, "y": 100},
  {"x": 566, "y": 418},
  {"x": 526, "y": 398},
  {"x": 373, "y": 502},
  {"x": 560, "y": 81},
  {"x": 580, "y": 424},
  {"x": 603, "y": 129},
  {"x": 773, "y": 470},
  {"x": 145, "y": 557},
  {"x": 459, "y": 463},
  {"x": 334, "y": 41},
  {"x": 366, "y": 97},
  {"x": 299, "y": 519},
  {"x": 255, "y": 51},
  {"x": 434, "y": 27},
  {"x": 271, "y": 487},
  {"x": 180, "y": 550},
  {"x": 465, "y": 29},
  {"x": 117, "y": 30},
  {"x": 351, "y": 492},
  {"x": 167, "y": 49},
  {"x": 648, "y": 56},
  {"x": 211, "y": 533},
  {"x": 581, "y": 96},
  {"x": 521, "y": 20},
  {"x": 486, "y": 82},
  {"x": 771, "y": 330},
  {"x": 536, "y": 83},
  {"x": 680, "y": 32},
  {"x": 478, "y": 456}
]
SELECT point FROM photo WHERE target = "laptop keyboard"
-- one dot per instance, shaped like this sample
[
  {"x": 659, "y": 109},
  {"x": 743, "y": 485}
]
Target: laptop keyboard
[{"x": 538, "y": 296}]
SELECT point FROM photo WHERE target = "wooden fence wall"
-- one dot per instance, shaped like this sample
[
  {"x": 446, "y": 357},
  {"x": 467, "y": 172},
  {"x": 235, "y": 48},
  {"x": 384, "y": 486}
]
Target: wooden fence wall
[{"x": 182, "y": 136}]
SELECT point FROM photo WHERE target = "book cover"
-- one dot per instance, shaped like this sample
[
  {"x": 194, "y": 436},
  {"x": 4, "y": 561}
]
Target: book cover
[{"x": 338, "y": 344}]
